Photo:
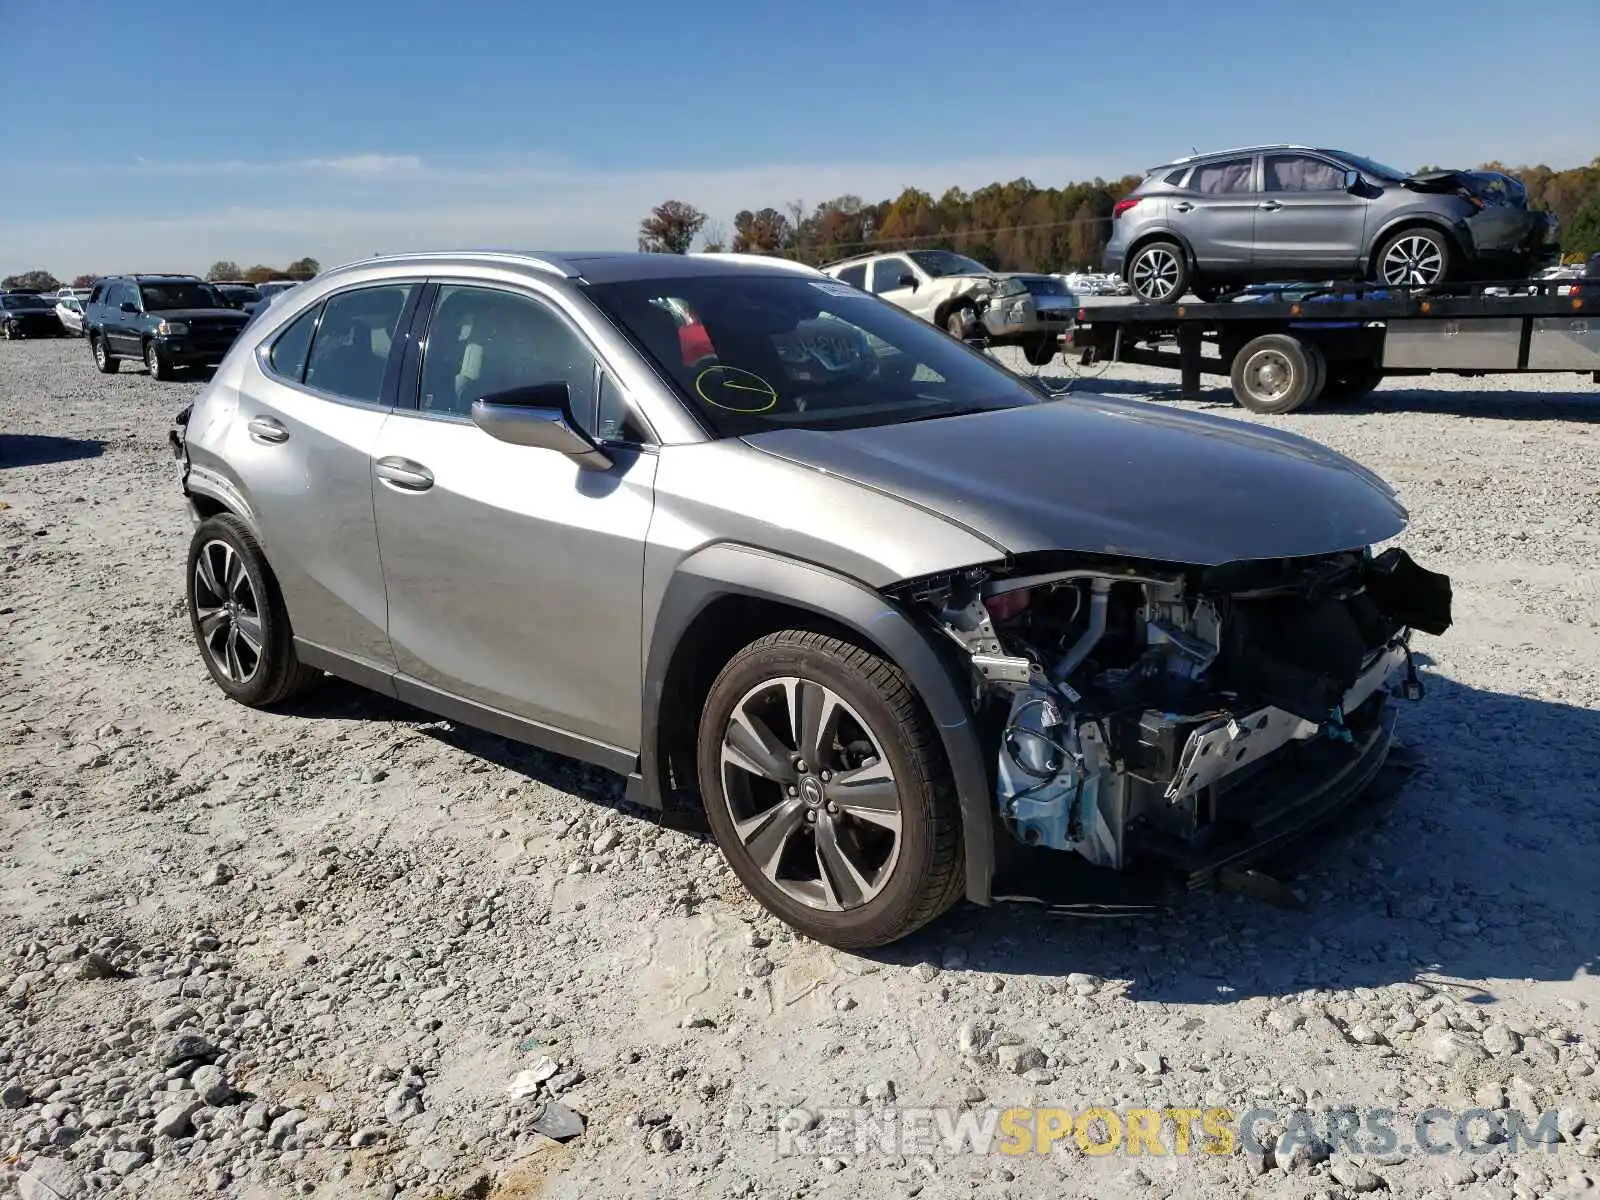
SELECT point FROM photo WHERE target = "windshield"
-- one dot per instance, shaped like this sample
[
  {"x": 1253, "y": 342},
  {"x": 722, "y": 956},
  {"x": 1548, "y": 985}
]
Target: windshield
[
  {"x": 946, "y": 262},
  {"x": 1367, "y": 167},
  {"x": 749, "y": 353},
  {"x": 164, "y": 297},
  {"x": 239, "y": 292},
  {"x": 23, "y": 302}
]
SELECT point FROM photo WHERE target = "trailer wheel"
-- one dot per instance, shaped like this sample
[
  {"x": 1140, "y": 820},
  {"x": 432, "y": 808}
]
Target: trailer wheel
[
  {"x": 1351, "y": 380},
  {"x": 1277, "y": 373}
]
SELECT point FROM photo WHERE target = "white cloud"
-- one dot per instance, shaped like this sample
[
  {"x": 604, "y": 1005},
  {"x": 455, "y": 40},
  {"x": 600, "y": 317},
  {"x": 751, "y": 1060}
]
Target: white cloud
[{"x": 337, "y": 209}]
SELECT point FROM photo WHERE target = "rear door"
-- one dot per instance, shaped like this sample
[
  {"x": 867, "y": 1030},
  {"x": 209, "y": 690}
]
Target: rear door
[
  {"x": 1217, "y": 212},
  {"x": 1308, "y": 219},
  {"x": 118, "y": 324},
  {"x": 311, "y": 405},
  {"x": 514, "y": 576}
]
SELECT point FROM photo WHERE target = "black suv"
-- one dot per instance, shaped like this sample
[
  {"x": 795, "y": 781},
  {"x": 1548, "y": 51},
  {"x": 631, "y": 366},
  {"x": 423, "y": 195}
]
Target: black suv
[{"x": 166, "y": 321}]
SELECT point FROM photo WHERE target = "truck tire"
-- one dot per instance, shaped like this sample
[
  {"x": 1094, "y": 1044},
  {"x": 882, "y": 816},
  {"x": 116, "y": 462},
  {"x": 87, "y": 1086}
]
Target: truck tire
[
  {"x": 956, "y": 319},
  {"x": 1277, "y": 373},
  {"x": 1351, "y": 380},
  {"x": 826, "y": 787}
]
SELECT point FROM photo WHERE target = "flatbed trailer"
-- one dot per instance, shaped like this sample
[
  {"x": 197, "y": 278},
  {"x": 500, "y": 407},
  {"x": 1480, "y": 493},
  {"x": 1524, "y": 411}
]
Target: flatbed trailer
[{"x": 1286, "y": 347}]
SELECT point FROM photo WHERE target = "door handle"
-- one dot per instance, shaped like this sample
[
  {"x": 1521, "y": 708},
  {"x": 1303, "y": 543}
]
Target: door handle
[
  {"x": 266, "y": 429},
  {"x": 1183, "y": 206},
  {"x": 404, "y": 474},
  {"x": 1270, "y": 206}
]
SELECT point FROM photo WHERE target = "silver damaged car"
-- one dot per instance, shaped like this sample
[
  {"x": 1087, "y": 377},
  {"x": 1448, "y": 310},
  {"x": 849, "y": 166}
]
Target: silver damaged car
[{"x": 903, "y": 629}]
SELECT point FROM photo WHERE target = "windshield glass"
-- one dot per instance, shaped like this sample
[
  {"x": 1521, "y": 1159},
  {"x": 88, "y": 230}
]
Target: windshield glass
[
  {"x": 749, "y": 353},
  {"x": 23, "y": 302},
  {"x": 1367, "y": 167},
  {"x": 164, "y": 297},
  {"x": 1046, "y": 285},
  {"x": 947, "y": 262},
  {"x": 239, "y": 292}
]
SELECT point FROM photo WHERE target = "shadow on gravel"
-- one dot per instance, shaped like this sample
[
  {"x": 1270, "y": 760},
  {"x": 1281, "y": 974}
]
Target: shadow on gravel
[
  {"x": 1574, "y": 405},
  {"x": 35, "y": 450},
  {"x": 337, "y": 700},
  {"x": 1483, "y": 867}
]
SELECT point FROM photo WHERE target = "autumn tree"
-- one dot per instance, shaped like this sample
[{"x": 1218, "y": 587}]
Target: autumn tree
[
  {"x": 302, "y": 268},
  {"x": 223, "y": 268},
  {"x": 764, "y": 232},
  {"x": 715, "y": 238},
  {"x": 31, "y": 281},
  {"x": 260, "y": 274},
  {"x": 670, "y": 228},
  {"x": 81, "y": 281}
]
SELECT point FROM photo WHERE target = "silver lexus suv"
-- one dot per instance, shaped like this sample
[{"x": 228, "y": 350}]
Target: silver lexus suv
[{"x": 900, "y": 627}]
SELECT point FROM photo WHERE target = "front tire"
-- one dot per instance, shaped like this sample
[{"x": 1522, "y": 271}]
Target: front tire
[
  {"x": 1415, "y": 257},
  {"x": 1276, "y": 374},
  {"x": 157, "y": 363},
  {"x": 238, "y": 616},
  {"x": 960, "y": 320},
  {"x": 827, "y": 789},
  {"x": 1040, "y": 353},
  {"x": 1351, "y": 381},
  {"x": 1159, "y": 272},
  {"x": 104, "y": 361}
]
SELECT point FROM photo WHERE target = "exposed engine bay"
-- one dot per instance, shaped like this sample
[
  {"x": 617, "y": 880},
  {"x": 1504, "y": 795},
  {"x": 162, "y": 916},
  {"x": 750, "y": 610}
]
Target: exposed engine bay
[{"x": 1146, "y": 714}]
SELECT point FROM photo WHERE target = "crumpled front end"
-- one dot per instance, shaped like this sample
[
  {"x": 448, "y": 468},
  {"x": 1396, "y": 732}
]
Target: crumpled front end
[{"x": 1186, "y": 719}]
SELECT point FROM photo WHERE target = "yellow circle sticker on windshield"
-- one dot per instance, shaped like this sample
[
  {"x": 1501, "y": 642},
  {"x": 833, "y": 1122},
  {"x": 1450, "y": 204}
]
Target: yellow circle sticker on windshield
[{"x": 736, "y": 390}]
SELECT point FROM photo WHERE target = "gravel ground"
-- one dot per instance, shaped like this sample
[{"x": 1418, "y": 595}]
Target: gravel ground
[{"x": 308, "y": 952}]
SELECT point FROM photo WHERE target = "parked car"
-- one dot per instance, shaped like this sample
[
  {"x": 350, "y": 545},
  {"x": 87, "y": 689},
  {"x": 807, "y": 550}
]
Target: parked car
[
  {"x": 27, "y": 314},
  {"x": 1214, "y": 222},
  {"x": 957, "y": 293},
  {"x": 267, "y": 292},
  {"x": 69, "y": 311},
  {"x": 168, "y": 322},
  {"x": 895, "y": 620},
  {"x": 238, "y": 295}
]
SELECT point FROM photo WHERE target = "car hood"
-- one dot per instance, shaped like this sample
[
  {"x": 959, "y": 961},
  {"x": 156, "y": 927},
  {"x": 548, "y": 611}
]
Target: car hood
[
  {"x": 1099, "y": 476},
  {"x": 198, "y": 314},
  {"x": 1490, "y": 187}
]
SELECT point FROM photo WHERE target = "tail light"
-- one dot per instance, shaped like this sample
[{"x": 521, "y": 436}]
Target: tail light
[{"x": 1123, "y": 206}]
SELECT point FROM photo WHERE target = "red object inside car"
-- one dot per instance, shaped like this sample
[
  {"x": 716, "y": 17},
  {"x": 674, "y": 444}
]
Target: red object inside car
[{"x": 695, "y": 343}]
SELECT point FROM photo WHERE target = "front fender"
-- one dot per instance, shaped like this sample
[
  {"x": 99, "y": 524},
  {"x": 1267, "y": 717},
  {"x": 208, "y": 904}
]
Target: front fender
[{"x": 724, "y": 570}]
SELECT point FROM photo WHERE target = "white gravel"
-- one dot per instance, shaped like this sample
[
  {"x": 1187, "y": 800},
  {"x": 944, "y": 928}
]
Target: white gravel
[{"x": 309, "y": 952}]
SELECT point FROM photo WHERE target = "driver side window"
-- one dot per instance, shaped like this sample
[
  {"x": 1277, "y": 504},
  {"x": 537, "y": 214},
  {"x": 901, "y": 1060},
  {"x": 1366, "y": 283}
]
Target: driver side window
[{"x": 887, "y": 272}]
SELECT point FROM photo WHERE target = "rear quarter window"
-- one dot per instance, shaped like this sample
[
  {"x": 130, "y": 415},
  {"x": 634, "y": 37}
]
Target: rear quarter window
[{"x": 289, "y": 351}]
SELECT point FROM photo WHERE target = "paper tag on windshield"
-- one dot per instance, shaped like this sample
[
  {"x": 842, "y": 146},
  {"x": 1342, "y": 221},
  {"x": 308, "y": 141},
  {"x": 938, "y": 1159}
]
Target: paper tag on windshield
[{"x": 837, "y": 289}]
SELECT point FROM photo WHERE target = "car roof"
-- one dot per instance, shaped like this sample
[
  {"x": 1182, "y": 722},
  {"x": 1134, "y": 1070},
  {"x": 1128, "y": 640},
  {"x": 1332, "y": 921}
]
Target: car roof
[
  {"x": 595, "y": 266},
  {"x": 1198, "y": 157}
]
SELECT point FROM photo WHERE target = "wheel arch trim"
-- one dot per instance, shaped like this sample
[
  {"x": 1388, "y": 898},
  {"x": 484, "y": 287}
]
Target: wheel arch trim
[
  {"x": 1460, "y": 240},
  {"x": 735, "y": 570}
]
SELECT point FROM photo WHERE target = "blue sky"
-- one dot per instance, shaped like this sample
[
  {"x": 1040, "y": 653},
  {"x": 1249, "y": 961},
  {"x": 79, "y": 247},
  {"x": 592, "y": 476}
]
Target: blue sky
[{"x": 261, "y": 132}]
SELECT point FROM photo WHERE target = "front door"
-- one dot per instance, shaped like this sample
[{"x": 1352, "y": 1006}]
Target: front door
[
  {"x": 514, "y": 575},
  {"x": 1308, "y": 219},
  {"x": 888, "y": 280}
]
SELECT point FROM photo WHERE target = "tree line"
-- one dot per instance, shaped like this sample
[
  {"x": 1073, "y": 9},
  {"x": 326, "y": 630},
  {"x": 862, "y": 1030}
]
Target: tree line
[
  {"x": 42, "y": 281},
  {"x": 1017, "y": 226}
]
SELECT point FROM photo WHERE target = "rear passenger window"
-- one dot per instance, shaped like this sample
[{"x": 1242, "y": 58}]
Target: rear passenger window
[
  {"x": 350, "y": 351},
  {"x": 855, "y": 276},
  {"x": 288, "y": 356},
  {"x": 1224, "y": 178}
]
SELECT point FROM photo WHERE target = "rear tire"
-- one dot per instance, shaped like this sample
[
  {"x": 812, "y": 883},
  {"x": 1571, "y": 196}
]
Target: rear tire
[
  {"x": 1040, "y": 353},
  {"x": 874, "y": 751},
  {"x": 105, "y": 362},
  {"x": 1351, "y": 381},
  {"x": 1158, "y": 272},
  {"x": 1276, "y": 374},
  {"x": 238, "y": 616}
]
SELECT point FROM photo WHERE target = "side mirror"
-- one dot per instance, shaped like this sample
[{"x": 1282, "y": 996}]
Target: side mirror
[
  {"x": 1352, "y": 181},
  {"x": 909, "y": 281},
  {"x": 128, "y": 306},
  {"x": 539, "y": 415}
]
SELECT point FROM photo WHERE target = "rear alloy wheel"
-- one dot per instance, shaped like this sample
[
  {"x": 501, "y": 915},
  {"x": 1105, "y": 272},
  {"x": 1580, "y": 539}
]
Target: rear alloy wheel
[
  {"x": 238, "y": 616},
  {"x": 827, "y": 790},
  {"x": 1159, "y": 272},
  {"x": 1414, "y": 258},
  {"x": 157, "y": 363},
  {"x": 1277, "y": 374},
  {"x": 105, "y": 362}
]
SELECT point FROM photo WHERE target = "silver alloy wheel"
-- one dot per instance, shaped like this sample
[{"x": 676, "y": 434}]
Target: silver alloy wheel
[
  {"x": 152, "y": 358},
  {"x": 1413, "y": 260},
  {"x": 1269, "y": 375},
  {"x": 1155, "y": 273},
  {"x": 811, "y": 794},
  {"x": 100, "y": 350},
  {"x": 227, "y": 612}
]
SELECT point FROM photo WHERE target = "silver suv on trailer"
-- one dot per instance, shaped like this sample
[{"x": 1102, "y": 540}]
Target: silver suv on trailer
[
  {"x": 760, "y": 542},
  {"x": 1213, "y": 222}
]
